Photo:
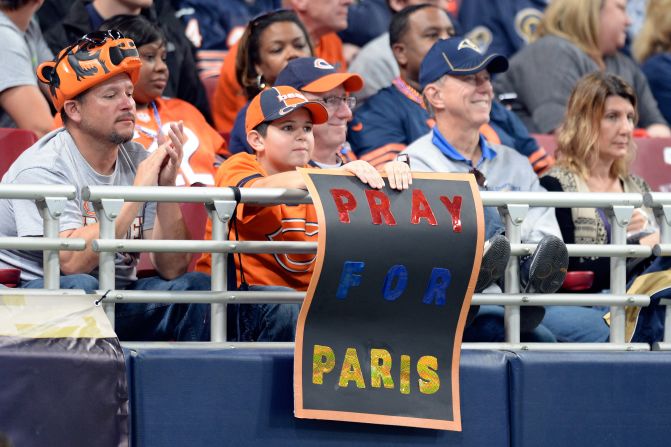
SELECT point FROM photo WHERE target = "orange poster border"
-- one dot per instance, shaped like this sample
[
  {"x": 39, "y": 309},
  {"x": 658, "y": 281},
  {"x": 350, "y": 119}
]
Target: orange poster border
[{"x": 368, "y": 418}]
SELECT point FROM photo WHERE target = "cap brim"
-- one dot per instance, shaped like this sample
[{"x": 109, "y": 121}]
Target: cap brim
[
  {"x": 497, "y": 63},
  {"x": 351, "y": 82},
  {"x": 317, "y": 112}
]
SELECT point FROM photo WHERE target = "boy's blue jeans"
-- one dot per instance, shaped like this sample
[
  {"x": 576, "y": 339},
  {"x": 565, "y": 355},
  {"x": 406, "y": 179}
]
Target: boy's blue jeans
[
  {"x": 152, "y": 321},
  {"x": 265, "y": 322}
]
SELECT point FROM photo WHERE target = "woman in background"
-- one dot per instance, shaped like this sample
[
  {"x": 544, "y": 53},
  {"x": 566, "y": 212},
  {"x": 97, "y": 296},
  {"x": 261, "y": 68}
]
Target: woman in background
[
  {"x": 204, "y": 148},
  {"x": 595, "y": 148},
  {"x": 652, "y": 49},
  {"x": 269, "y": 42}
]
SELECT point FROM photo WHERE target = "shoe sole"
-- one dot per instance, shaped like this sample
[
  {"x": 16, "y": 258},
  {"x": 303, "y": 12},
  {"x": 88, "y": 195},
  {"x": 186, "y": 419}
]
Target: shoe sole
[
  {"x": 548, "y": 266},
  {"x": 494, "y": 262}
]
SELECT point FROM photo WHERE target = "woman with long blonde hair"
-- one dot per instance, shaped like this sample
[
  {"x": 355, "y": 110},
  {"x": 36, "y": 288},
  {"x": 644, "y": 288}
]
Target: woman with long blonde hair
[
  {"x": 595, "y": 148},
  {"x": 575, "y": 38}
]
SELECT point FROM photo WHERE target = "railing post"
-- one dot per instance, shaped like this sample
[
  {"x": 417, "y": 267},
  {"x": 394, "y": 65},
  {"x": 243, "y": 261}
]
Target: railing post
[
  {"x": 51, "y": 209},
  {"x": 107, "y": 211},
  {"x": 663, "y": 216},
  {"x": 619, "y": 217},
  {"x": 221, "y": 212},
  {"x": 513, "y": 216}
]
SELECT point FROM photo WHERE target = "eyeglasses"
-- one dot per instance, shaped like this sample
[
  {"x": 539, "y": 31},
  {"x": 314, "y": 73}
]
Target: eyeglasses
[
  {"x": 256, "y": 21},
  {"x": 334, "y": 102},
  {"x": 480, "y": 178}
]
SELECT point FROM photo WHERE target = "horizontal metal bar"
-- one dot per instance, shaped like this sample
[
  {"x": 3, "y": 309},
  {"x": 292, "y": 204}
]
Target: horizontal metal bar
[
  {"x": 207, "y": 345},
  {"x": 662, "y": 250},
  {"x": 558, "y": 346},
  {"x": 203, "y": 194},
  {"x": 661, "y": 346},
  {"x": 561, "y": 199},
  {"x": 38, "y": 292},
  {"x": 464, "y": 346},
  {"x": 560, "y": 299},
  {"x": 177, "y": 246},
  {"x": 258, "y": 297},
  {"x": 156, "y": 296},
  {"x": 630, "y": 251},
  {"x": 656, "y": 199},
  {"x": 42, "y": 243},
  {"x": 36, "y": 192}
]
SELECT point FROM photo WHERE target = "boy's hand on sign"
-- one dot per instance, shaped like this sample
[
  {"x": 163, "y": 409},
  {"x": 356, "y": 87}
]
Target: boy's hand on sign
[
  {"x": 398, "y": 174},
  {"x": 365, "y": 172}
]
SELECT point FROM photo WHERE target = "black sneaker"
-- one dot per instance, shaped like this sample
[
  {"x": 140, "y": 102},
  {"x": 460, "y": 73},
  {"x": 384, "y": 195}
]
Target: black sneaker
[
  {"x": 548, "y": 266},
  {"x": 494, "y": 262},
  {"x": 492, "y": 267}
]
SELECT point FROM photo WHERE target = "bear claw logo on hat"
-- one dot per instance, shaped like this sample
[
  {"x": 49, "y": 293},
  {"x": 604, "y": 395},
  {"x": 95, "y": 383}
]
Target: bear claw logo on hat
[
  {"x": 94, "y": 58},
  {"x": 278, "y": 101}
]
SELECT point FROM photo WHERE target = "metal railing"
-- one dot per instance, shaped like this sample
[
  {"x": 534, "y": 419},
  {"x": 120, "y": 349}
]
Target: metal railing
[{"x": 220, "y": 204}]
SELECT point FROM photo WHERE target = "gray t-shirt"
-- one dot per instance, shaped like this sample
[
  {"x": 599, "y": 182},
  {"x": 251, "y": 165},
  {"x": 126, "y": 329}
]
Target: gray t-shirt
[
  {"x": 376, "y": 63},
  {"x": 55, "y": 159},
  {"x": 20, "y": 54},
  {"x": 544, "y": 73}
]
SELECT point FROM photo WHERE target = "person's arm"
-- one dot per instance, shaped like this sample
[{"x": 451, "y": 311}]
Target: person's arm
[
  {"x": 73, "y": 262},
  {"x": 29, "y": 109},
  {"x": 169, "y": 222}
]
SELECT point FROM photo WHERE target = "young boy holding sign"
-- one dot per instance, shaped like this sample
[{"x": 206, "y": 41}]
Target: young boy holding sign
[{"x": 279, "y": 123}]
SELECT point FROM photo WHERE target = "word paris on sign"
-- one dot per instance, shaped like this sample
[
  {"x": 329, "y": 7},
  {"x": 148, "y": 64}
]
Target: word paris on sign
[{"x": 379, "y": 334}]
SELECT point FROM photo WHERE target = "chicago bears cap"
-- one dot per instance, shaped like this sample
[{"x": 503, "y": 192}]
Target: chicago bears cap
[
  {"x": 315, "y": 75},
  {"x": 279, "y": 101},
  {"x": 458, "y": 57}
]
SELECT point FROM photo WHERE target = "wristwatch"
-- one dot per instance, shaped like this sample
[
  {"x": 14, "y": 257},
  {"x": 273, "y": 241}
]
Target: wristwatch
[{"x": 405, "y": 158}]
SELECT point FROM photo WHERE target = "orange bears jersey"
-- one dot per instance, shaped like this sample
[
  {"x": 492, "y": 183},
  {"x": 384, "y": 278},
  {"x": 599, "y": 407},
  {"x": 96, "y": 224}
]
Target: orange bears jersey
[
  {"x": 229, "y": 97},
  {"x": 203, "y": 146},
  {"x": 296, "y": 223}
]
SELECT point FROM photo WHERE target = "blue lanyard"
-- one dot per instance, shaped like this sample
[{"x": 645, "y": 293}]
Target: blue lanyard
[{"x": 149, "y": 132}]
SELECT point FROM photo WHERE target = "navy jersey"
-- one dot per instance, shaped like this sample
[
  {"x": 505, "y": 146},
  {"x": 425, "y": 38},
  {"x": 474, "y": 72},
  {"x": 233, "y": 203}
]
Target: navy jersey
[
  {"x": 385, "y": 124},
  {"x": 502, "y": 26},
  {"x": 222, "y": 22}
]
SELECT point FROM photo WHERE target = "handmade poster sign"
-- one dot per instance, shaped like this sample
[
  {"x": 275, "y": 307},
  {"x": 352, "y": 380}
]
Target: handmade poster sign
[{"x": 379, "y": 334}]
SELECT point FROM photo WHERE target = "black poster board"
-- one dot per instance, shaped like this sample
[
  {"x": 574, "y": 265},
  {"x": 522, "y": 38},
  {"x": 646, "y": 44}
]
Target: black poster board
[{"x": 379, "y": 334}]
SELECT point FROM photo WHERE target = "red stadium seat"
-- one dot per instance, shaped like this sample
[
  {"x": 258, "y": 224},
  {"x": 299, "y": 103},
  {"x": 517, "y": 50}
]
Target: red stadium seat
[
  {"x": 12, "y": 144},
  {"x": 653, "y": 162},
  {"x": 546, "y": 141}
]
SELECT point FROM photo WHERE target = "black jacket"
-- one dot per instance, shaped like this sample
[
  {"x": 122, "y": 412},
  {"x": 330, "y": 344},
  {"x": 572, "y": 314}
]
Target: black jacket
[{"x": 184, "y": 82}]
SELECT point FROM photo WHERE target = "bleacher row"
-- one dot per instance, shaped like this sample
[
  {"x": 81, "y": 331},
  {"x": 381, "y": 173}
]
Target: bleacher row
[{"x": 234, "y": 394}]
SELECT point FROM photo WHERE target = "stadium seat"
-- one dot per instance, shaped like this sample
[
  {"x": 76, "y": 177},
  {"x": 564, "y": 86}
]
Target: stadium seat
[
  {"x": 210, "y": 84},
  {"x": 653, "y": 162},
  {"x": 12, "y": 144}
]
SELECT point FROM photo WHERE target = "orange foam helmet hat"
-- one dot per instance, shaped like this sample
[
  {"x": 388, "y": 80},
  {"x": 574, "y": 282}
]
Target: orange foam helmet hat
[{"x": 91, "y": 60}]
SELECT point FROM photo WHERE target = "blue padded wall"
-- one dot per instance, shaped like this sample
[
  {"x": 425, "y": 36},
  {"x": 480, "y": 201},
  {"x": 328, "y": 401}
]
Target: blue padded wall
[
  {"x": 245, "y": 398},
  {"x": 591, "y": 399}
]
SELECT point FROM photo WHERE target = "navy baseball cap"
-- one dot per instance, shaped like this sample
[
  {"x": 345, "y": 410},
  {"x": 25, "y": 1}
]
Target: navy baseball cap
[
  {"x": 457, "y": 56},
  {"x": 315, "y": 75},
  {"x": 279, "y": 101}
]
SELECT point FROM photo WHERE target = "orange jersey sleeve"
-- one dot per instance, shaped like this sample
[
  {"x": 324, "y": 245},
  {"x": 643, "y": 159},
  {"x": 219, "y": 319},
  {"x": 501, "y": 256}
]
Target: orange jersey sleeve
[
  {"x": 329, "y": 48},
  {"x": 270, "y": 223}
]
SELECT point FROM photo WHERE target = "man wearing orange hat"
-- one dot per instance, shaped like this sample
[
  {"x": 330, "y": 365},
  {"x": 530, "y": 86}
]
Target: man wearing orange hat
[{"x": 91, "y": 84}]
